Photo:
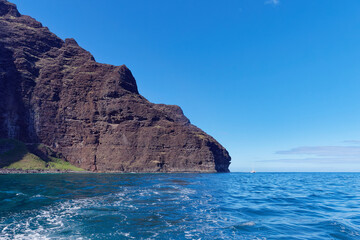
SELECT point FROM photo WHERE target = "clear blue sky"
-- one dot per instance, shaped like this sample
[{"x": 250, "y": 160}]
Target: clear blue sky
[{"x": 276, "y": 82}]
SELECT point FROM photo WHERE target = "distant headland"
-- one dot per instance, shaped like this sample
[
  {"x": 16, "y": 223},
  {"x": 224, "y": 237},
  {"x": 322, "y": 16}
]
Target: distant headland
[{"x": 66, "y": 112}]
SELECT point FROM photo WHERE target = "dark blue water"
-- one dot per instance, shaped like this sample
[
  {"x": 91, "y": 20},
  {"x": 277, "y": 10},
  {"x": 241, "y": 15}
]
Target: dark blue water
[{"x": 180, "y": 206}]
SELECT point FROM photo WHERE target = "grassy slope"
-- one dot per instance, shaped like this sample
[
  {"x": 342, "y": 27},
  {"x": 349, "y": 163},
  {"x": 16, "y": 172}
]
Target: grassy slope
[{"x": 19, "y": 157}]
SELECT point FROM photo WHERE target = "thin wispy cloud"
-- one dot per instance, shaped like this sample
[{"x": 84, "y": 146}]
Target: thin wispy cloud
[
  {"x": 352, "y": 141},
  {"x": 324, "y": 151},
  {"x": 273, "y": 2},
  {"x": 336, "y": 160},
  {"x": 321, "y": 154}
]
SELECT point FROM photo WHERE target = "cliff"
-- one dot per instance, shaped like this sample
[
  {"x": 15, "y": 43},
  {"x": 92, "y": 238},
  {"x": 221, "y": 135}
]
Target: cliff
[{"x": 53, "y": 92}]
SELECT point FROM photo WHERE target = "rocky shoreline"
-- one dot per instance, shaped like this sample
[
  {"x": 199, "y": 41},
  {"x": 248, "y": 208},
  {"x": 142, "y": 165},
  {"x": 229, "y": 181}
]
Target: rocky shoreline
[
  {"x": 46, "y": 171},
  {"x": 40, "y": 171}
]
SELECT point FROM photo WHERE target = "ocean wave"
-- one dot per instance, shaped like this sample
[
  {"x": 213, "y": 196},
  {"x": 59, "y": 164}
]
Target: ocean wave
[{"x": 159, "y": 207}]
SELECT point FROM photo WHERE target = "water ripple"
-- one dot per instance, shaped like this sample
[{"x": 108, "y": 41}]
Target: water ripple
[{"x": 180, "y": 206}]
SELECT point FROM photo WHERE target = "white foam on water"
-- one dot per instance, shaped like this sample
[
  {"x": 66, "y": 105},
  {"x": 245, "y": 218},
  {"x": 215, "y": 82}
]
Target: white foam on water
[
  {"x": 42, "y": 223},
  {"x": 52, "y": 221},
  {"x": 251, "y": 223}
]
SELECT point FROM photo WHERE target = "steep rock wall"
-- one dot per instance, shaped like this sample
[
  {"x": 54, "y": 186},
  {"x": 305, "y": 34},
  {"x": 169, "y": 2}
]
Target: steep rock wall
[{"x": 54, "y": 92}]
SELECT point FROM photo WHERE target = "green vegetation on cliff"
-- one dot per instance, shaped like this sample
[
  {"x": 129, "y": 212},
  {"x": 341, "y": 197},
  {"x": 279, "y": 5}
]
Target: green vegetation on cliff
[{"x": 16, "y": 155}]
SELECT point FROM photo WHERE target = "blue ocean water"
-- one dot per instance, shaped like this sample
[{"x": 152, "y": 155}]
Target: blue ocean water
[{"x": 180, "y": 206}]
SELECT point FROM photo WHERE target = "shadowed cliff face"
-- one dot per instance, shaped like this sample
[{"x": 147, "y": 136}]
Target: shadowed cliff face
[{"x": 54, "y": 92}]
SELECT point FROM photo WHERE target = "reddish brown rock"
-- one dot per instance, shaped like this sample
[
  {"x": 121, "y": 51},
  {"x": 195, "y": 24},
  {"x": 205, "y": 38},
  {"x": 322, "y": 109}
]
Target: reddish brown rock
[{"x": 54, "y": 92}]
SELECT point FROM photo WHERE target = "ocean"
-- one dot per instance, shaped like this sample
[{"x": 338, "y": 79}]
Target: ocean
[{"x": 180, "y": 206}]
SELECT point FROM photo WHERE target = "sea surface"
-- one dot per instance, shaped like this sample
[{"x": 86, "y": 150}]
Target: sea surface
[{"x": 180, "y": 206}]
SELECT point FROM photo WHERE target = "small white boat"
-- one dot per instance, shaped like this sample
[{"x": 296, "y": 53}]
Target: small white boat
[{"x": 253, "y": 171}]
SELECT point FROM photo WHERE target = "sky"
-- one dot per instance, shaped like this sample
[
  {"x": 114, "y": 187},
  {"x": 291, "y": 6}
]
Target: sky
[{"x": 276, "y": 82}]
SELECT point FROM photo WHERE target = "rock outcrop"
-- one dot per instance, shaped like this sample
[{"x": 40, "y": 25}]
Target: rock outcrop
[{"x": 53, "y": 92}]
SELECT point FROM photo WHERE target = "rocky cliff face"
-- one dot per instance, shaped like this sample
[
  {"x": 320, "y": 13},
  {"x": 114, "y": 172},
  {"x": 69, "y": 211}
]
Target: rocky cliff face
[{"x": 54, "y": 92}]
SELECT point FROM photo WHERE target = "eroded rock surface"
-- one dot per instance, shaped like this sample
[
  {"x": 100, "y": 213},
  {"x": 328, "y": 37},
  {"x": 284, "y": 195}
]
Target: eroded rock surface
[{"x": 54, "y": 92}]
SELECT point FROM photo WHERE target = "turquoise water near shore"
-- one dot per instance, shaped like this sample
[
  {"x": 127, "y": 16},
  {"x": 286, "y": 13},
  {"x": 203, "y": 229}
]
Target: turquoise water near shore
[{"x": 180, "y": 206}]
